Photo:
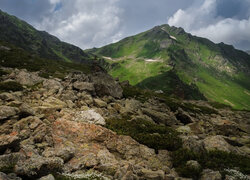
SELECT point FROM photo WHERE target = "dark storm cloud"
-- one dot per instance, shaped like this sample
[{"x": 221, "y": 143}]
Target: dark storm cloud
[{"x": 89, "y": 23}]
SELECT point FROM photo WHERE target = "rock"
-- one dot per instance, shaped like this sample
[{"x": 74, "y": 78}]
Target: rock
[
  {"x": 159, "y": 117},
  {"x": 184, "y": 117},
  {"x": 99, "y": 103},
  {"x": 28, "y": 78},
  {"x": 89, "y": 116},
  {"x": 53, "y": 103},
  {"x": 11, "y": 176},
  {"x": 38, "y": 166},
  {"x": 192, "y": 143},
  {"x": 105, "y": 85},
  {"x": 9, "y": 141},
  {"x": 84, "y": 86},
  {"x": 184, "y": 129},
  {"x": 8, "y": 161},
  {"x": 216, "y": 143},
  {"x": 7, "y": 96},
  {"x": 26, "y": 110},
  {"x": 193, "y": 164},
  {"x": 52, "y": 84},
  {"x": 208, "y": 174},
  {"x": 152, "y": 175},
  {"x": 48, "y": 177},
  {"x": 69, "y": 95},
  {"x": 7, "y": 112}
]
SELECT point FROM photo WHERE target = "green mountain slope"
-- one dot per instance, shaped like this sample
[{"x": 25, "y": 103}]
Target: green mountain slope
[
  {"x": 218, "y": 71},
  {"x": 44, "y": 45}
]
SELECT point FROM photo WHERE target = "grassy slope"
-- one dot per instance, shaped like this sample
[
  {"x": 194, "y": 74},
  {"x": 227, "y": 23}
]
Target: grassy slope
[
  {"x": 21, "y": 34},
  {"x": 218, "y": 70}
]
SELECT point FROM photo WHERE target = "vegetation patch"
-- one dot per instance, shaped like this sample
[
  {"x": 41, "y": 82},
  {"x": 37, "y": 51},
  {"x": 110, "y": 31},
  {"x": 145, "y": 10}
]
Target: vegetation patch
[
  {"x": 216, "y": 160},
  {"x": 147, "y": 133},
  {"x": 10, "y": 86}
]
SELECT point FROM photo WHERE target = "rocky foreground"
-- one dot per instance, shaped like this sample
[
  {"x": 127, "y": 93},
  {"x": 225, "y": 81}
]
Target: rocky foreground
[{"x": 58, "y": 129}]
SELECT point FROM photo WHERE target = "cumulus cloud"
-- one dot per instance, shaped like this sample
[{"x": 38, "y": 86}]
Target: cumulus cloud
[
  {"x": 85, "y": 23},
  {"x": 207, "y": 20}
]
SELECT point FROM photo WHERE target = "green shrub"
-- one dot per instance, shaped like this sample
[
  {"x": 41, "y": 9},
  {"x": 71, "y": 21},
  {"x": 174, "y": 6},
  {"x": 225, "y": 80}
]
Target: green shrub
[
  {"x": 216, "y": 160},
  {"x": 10, "y": 86},
  {"x": 147, "y": 133}
]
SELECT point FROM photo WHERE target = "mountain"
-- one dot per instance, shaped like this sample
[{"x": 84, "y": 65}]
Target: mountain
[
  {"x": 248, "y": 52},
  {"x": 21, "y": 34},
  {"x": 72, "y": 120},
  {"x": 169, "y": 59}
]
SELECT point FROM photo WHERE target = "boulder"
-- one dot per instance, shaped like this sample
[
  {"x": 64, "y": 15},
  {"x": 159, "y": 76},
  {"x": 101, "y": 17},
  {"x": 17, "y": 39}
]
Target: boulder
[
  {"x": 48, "y": 177},
  {"x": 28, "y": 78},
  {"x": 89, "y": 116},
  {"x": 10, "y": 176},
  {"x": 7, "y": 112},
  {"x": 52, "y": 84},
  {"x": 84, "y": 86},
  {"x": 99, "y": 103},
  {"x": 208, "y": 174},
  {"x": 183, "y": 117},
  {"x": 52, "y": 103},
  {"x": 105, "y": 85},
  {"x": 216, "y": 143}
]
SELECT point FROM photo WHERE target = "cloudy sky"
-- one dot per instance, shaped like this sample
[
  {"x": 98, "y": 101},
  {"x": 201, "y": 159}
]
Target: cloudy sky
[{"x": 94, "y": 23}]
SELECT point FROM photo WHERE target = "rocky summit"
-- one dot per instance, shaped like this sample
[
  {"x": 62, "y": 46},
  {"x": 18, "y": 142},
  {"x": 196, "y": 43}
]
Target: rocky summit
[{"x": 78, "y": 127}]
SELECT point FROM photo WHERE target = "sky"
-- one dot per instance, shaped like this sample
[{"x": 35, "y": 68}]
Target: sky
[{"x": 94, "y": 23}]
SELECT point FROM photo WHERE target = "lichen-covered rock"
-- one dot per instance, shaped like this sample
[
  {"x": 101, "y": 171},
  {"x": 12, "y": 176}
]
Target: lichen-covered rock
[
  {"x": 7, "y": 111},
  {"x": 208, "y": 174},
  {"x": 99, "y": 103},
  {"x": 84, "y": 86},
  {"x": 89, "y": 116},
  {"x": 27, "y": 78},
  {"x": 216, "y": 143}
]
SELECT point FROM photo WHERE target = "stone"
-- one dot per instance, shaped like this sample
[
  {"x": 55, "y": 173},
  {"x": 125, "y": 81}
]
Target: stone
[
  {"x": 26, "y": 110},
  {"x": 7, "y": 112},
  {"x": 7, "y": 96},
  {"x": 216, "y": 143},
  {"x": 193, "y": 164},
  {"x": 99, "y": 103},
  {"x": 28, "y": 78},
  {"x": 48, "y": 177},
  {"x": 84, "y": 86},
  {"x": 159, "y": 117},
  {"x": 89, "y": 116},
  {"x": 52, "y": 84},
  {"x": 105, "y": 85},
  {"x": 53, "y": 103},
  {"x": 69, "y": 95},
  {"x": 183, "y": 117},
  {"x": 152, "y": 175},
  {"x": 208, "y": 174},
  {"x": 11, "y": 176},
  {"x": 184, "y": 129}
]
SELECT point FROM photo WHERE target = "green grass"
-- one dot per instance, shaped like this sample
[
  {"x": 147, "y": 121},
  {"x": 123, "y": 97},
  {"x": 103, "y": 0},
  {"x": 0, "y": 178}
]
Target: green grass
[{"x": 19, "y": 58}]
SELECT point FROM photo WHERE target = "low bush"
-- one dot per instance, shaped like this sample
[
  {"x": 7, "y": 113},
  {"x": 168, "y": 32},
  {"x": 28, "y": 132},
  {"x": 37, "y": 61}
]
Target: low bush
[
  {"x": 216, "y": 160},
  {"x": 147, "y": 133},
  {"x": 10, "y": 86}
]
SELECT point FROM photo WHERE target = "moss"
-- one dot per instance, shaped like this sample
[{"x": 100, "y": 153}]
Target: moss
[
  {"x": 216, "y": 160},
  {"x": 147, "y": 133},
  {"x": 10, "y": 86},
  {"x": 8, "y": 168}
]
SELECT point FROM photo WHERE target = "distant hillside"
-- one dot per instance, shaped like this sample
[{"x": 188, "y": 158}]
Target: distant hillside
[
  {"x": 21, "y": 34},
  {"x": 248, "y": 52},
  {"x": 218, "y": 71}
]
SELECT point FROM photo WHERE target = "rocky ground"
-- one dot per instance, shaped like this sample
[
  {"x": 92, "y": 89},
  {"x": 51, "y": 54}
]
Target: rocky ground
[{"x": 58, "y": 129}]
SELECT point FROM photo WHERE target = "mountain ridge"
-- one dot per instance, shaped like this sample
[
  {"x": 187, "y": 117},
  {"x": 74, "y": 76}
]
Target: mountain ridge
[
  {"x": 212, "y": 67},
  {"x": 41, "y": 43}
]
